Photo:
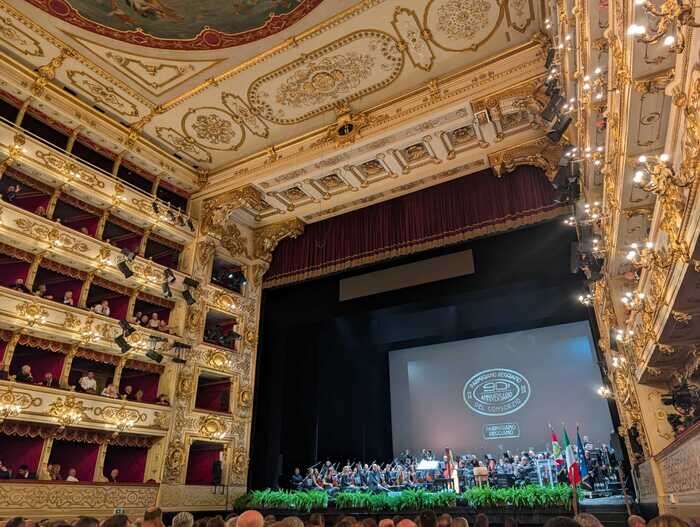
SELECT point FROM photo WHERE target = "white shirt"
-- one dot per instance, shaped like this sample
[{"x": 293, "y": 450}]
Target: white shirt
[
  {"x": 72, "y": 479},
  {"x": 101, "y": 310},
  {"x": 86, "y": 383}
]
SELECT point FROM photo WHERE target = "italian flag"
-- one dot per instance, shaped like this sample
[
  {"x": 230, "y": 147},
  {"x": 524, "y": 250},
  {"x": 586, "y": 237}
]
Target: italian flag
[
  {"x": 571, "y": 461},
  {"x": 556, "y": 449}
]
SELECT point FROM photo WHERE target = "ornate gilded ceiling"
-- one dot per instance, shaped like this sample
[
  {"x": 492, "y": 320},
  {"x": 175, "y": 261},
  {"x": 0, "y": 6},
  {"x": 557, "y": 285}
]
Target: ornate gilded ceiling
[
  {"x": 181, "y": 24},
  {"x": 214, "y": 108}
]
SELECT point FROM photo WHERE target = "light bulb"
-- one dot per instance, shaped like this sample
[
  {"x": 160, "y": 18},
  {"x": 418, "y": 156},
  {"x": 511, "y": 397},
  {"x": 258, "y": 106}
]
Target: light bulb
[
  {"x": 669, "y": 41},
  {"x": 598, "y": 70},
  {"x": 664, "y": 157},
  {"x": 642, "y": 159}
]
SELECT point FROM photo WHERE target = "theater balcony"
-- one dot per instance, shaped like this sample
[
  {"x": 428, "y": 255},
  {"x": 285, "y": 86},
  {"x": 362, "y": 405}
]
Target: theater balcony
[
  {"x": 220, "y": 330},
  {"x": 49, "y": 169},
  {"x": 24, "y": 236}
]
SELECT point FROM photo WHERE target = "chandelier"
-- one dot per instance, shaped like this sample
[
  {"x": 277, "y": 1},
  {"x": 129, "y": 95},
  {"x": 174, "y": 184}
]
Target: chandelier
[
  {"x": 670, "y": 17},
  {"x": 68, "y": 412}
]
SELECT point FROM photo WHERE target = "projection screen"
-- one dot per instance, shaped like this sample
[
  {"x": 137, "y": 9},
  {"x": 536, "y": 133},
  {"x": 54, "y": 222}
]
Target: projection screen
[{"x": 498, "y": 393}]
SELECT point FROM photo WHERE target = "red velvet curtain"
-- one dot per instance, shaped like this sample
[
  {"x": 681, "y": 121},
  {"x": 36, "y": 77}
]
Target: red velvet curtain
[
  {"x": 214, "y": 396},
  {"x": 72, "y": 454},
  {"x": 199, "y": 465},
  {"x": 16, "y": 451},
  {"x": 41, "y": 362},
  {"x": 467, "y": 207},
  {"x": 131, "y": 462}
]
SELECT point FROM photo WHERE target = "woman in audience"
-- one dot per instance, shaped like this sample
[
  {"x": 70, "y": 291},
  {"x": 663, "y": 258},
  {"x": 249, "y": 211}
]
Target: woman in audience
[
  {"x": 102, "y": 308},
  {"x": 87, "y": 383},
  {"x": 40, "y": 211},
  {"x": 163, "y": 326},
  {"x": 144, "y": 321},
  {"x": 72, "y": 475},
  {"x": 163, "y": 400},
  {"x": 68, "y": 298},
  {"x": 154, "y": 323},
  {"x": 138, "y": 397},
  {"x": 111, "y": 391},
  {"x": 42, "y": 292},
  {"x": 128, "y": 393}
]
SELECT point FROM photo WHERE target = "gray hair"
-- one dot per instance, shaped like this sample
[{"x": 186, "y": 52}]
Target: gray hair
[{"x": 183, "y": 519}]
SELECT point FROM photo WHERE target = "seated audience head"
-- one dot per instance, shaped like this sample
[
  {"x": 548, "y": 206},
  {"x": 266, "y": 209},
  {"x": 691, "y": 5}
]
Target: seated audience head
[
  {"x": 26, "y": 369},
  {"x": 153, "y": 513},
  {"x": 386, "y": 522},
  {"x": 585, "y": 519},
  {"x": 369, "y": 522},
  {"x": 481, "y": 520},
  {"x": 182, "y": 519},
  {"x": 406, "y": 523},
  {"x": 636, "y": 521},
  {"x": 216, "y": 521},
  {"x": 427, "y": 519},
  {"x": 316, "y": 519},
  {"x": 250, "y": 519},
  {"x": 23, "y": 470},
  {"x": 561, "y": 521},
  {"x": 292, "y": 521},
  {"x": 460, "y": 522},
  {"x": 72, "y": 472},
  {"x": 17, "y": 521},
  {"x": 114, "y": 474},
  {"x": 118, "y": 520},
  {"x": 233, "y": 518},
  {"x": 667, "y": 520},
  {"x": 87, "y": 521},
  {"x": 444, "y": 520}
]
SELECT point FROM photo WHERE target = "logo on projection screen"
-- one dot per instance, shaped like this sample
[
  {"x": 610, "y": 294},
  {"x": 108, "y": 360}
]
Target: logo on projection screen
[{"x": 496, "y": 392}]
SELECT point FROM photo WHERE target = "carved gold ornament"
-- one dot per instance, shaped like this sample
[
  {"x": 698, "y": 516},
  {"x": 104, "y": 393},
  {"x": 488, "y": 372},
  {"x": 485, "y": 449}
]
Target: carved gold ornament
[
  {"x": 67, "y": 412},
  {"x": 461, "y": 25},
  {"x": 212, "y": 427},
  {"x": 70, "y": 170},
  {"x": 244, "y": 115},
  {"x": 183, "y": 144},
  {"x": 19, "y": 39},
  {"x": 540, "y": 153},
  {"x": 224, "y": 301},
  {"x": 266, "y": 238},
  {"x": 32, "y": 312},
  {"x": 12, "y": 403},
  {"x": 213, "y": 128},
  {"x": 102, "y": 94},
  {"x": 216, "y": 359},
  {"x": 244, "y": 398},
  {"x": 51, "y": 235},
  {"x": 122, "y": 417},
  {"x": 174, "y": 462},
  {"x": 413, "y": 38},
  {"x": 239, "y": 461}
]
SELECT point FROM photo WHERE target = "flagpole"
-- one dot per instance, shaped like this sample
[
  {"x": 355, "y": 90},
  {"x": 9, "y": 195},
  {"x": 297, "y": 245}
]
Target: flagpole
[{"x": 574, "y": 496}]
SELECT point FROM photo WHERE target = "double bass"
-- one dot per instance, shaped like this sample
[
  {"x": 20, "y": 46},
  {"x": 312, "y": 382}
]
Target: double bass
[{"x": 450, "y": 471}]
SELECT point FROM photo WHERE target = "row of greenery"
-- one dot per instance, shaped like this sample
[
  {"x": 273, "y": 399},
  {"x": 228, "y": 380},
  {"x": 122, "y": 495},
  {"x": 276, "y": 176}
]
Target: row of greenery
[{"x": 528, "y": 497}]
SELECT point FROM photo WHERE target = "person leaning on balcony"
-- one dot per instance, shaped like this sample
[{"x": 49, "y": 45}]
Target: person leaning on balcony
[
  {"x": 102, "y": 308},
  {"x": 87, "y": 383},
  {"x": 128, "y": 393},
  {"x": 25, "y": 374},
  {"x": 72, "y": 475},
  {"x": 68, "y": 298},
  {"x": 19, "y": 286},
  {"x": 113, "y": 476},
  {"x": 111, "y": 391},
  {"x": 49, "y": 381}
]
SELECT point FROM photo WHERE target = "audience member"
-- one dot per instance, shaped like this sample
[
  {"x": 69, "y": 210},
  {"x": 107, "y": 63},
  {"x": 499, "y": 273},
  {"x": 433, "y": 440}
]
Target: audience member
[
  {"x": 182, "y": 519},
  {"x": 68, "y": 298},
  {"x": 253, "y": 519},
  {"x": 110, "y": 391},
  {"x": 25, "y": 374},
  {"x": 128, "y": 393},
  {"x": 636, "y": 521},
  {"x": 144, "y": 321},
  {"x": 317, "y": 520},
  {"x": 87, "y": 383},
  {"x": 386, "y": 522},
  {"x": 218, "y": 521},
  {"x": 444, "y": 520},
  {"x": 102, "y": 308},
  {"x": 84, "y": 230},
  {"x": 113, "y": 476},
  {"x": 17, "y": 521},
  {"x": 369, "y": 522},
  {"x": 163, "y": 400},
  {"x": 11, "y": 193},
  {"x": 481, "y": 520},
  {"x": 40, "y": 211},
  {"x": 118, "y": 520},
  {"x": 428, "y": 519},
  {"x": 72, "y": 475},
  {"x": 406, "y": 523},
  {"x": 23, "y": 473},
  {"x": 54, "y": 472},
  {"x": 153, "y": 513},
  {"x": 561, "y": 521},
  {"x": 4, "y": 471},
  {"x": 154, "y": 322},
  {"x": 585, "y": 519},
  {"x": 86, "y": 521},
  {"x": 42, "y": 292},
  {"x": 19, "y": 286},
  {"x": 49, "y": 381},
  {"x": 460, "y": 522},
  {"x": 138, "y": 396},
  {"x": 667, "y": 520}
]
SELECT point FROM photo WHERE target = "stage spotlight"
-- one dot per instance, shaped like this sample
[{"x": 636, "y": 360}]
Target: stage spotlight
[
  {"x": 169, "y": 276},
  {"x": 127, "y": 328},
  {"x": 179, "y": 347},
  {"x": 188, "y": 297},
  {"x": 124, "y": 268},
  {"x": 551, "y": 88},
  {"x": 551, "y": 53},
  {"x": 122, "y": 343},
  {"x": 166, "y": 290},
  {"x": 154, "y": 356},
  {"x": 190, "y": 282},
  {"x": 563, "y": 122},
  {"x": 553, "y": 107}
]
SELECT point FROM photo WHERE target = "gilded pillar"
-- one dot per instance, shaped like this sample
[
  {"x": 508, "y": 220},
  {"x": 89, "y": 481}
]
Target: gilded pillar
[
  {"x": 156, "y": 184},
  {"x": 33, "y": 268},
  {"x": 144, "y": 242},
  {"x": 71, "y": 140},
  {"x": 98, "y": 475},
  {"x": 116, "y": 379},
  {"x": 53, "y": 200},
  {"x": 22, "y": 112},
  {"x": 117, "y": 163},
  {"x": 67, "y": 364},
  {"x": 99, "y": 231},
  {"x": 9, "y": 351},
  {"x": 132, "y": 304},
  {"x": 42, "y": 471},
  {"x": 85, "y": 290}
]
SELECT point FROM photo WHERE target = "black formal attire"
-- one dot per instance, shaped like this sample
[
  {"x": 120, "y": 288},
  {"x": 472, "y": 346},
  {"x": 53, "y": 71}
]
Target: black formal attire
[{"x": 22, "y": 377}]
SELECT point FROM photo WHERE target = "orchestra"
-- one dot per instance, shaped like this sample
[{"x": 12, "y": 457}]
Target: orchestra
[{"x": 452, "y": 472}]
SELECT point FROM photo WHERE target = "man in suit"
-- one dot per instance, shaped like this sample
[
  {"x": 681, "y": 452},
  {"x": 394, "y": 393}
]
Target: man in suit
[
  {"x": 49, "y": 381},
  {"x": 25, "y": 374},
  {"x": 23, "y": 473}
]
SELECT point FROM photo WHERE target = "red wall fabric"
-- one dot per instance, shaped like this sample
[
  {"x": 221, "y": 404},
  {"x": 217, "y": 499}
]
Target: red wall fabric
[
  {"x": 199, "y": 465},
  {"x": 470, "y": 204},
  {"x": 58, "y": 289},
  {"x": 214, "y": 397},
  {"x": 89, "y": 223},
  {"x": 131, "y": 462},
  {"x": 16, "y": 451},
  {"x": 32, "y": 201},
  {"x": 40, "y": 361},
  {"x": 77, "y": 455},
  {"x": 11, "y": 272},
  {"x": 148, "y": 382}
]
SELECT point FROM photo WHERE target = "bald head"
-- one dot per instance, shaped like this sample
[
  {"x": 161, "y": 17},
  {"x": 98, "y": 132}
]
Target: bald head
[
  {"x": 250, "y": 519},
  {"x": 406, "y": 523}
]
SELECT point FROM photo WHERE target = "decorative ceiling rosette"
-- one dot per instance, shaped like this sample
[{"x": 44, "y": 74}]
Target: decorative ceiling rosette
[
  {"x": 213, "y": 128},
  {"x": 462, "y": 25}
]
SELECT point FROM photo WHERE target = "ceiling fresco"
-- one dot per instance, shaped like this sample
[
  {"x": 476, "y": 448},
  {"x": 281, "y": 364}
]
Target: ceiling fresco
[{"x": 181, "y": 24}]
